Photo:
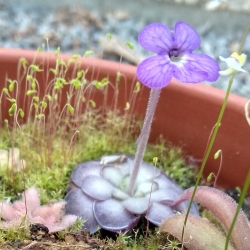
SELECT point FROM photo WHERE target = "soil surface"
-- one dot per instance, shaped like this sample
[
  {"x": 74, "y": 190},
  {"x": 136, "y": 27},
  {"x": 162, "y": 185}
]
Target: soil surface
[{"x": 70, "y": 241}]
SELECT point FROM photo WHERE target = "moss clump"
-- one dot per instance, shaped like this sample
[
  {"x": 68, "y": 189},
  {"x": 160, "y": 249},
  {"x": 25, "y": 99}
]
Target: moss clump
[
  {"x": 53, "y": 142},
  {"x": 51, "y": 161}
]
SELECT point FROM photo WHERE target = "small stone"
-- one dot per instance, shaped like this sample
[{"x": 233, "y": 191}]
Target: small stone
[
  {"x": 70, "y": 239},
  {"x": 213, "y": 5},
  {"x": 4, "y": 155},
  {"x": 191, "y": 1},
  {"x": 15, "y": 163},
  {"x": 20, "y": 165},
  {"x": 14, "y": 156},
  {"x": 122, "y": 15}
]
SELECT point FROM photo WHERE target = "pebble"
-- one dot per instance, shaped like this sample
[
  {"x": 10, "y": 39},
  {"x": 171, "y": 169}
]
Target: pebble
[
  {"x": 4, "y": 155},
  {"x": 77, "y": 30},
  {"x": 11, "y": 159}
]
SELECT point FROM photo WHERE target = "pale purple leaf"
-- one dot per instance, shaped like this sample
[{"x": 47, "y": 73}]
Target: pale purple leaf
[
  {"x": 147, "y": 172},
  {"x": 165, "y": 182},
  {"x": 137, "y": 205},
  {"x": 112, "y": 174},
  {"x": 112, "y": 216},
  {"x": 144, "y": 188},
  {"x": 85, "y": 169},
  {"x": 97, "y": 187},
  {"x": 163, "y": 194},
  {"x": 119, "y": 194},
  {"x": 81, "y": 205},
  {"x": 158, "y": 213}
]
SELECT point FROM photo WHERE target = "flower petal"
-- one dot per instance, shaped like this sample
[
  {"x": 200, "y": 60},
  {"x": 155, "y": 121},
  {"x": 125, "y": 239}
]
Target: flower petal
[
  {"x": 232, "y": 63},
  {"x": 196, "y": 68},
  {"x": 112, "y": 216},
  {"x": 155, "y": 72},
  {"x": 81, "y": 205},
  {"x": 156, "y": 37},
  {"x": 185, "y": 38},
  {"x": 226, "y": 72}
]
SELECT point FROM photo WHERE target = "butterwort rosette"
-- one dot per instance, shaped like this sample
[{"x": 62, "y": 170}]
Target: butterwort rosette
[
  {"x": 98, "y": 194},
  {"x": 175, "y": 57}
]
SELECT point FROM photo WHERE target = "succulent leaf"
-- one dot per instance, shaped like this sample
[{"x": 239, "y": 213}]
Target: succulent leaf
[
  {"x": 200, "y": 234},
  {"x": 223, "y": 207},
  {"x": 98, "y": 194}
]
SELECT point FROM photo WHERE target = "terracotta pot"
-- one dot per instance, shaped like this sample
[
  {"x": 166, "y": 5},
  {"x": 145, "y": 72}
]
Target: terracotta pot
[{"x": 185, "y": 114}]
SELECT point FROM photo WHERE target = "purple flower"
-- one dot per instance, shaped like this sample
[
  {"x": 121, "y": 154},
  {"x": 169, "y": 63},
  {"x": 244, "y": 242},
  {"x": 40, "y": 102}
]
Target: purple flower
[{"x": 175, "y": 57}]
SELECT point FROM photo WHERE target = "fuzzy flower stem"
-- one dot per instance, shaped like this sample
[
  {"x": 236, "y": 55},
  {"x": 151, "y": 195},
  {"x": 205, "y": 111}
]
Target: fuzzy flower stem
[
  {"x": 143, "y": 138},
  {"x": 211, "y": 142}
]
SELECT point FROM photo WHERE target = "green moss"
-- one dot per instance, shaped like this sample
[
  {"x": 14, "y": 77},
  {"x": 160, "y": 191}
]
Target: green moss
[
  {"x": 140, "y": 241},
  {"x": 171, "y": 160},
  {"x": 15, "y": 233},
  {"x": 50, "y": 162},
  {"x": 51, "y": 149}
]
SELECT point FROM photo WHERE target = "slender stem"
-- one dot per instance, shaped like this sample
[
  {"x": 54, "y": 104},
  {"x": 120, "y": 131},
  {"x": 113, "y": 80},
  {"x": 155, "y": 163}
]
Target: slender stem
[
  {"x": 244, "y": 38},
  {"x": 211, "y": 142},
  {"x": 207, "y": 153},
  {"x": 143, "y": 138},
  {"x": 241, "y": 200},
  {"x": 247, "y": 181}
]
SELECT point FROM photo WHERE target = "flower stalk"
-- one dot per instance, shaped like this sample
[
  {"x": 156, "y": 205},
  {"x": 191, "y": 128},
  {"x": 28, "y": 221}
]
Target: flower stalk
[
  {"x": 209, "y": 148},
  {"x": 174, "y": 58},
  {"x": 143, "y": 137},
  {"x": 214, "y": 134}
]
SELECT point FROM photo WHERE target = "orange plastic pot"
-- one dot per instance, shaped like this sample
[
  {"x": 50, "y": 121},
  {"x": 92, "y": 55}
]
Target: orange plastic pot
[{"x": 185, "y": 115}]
